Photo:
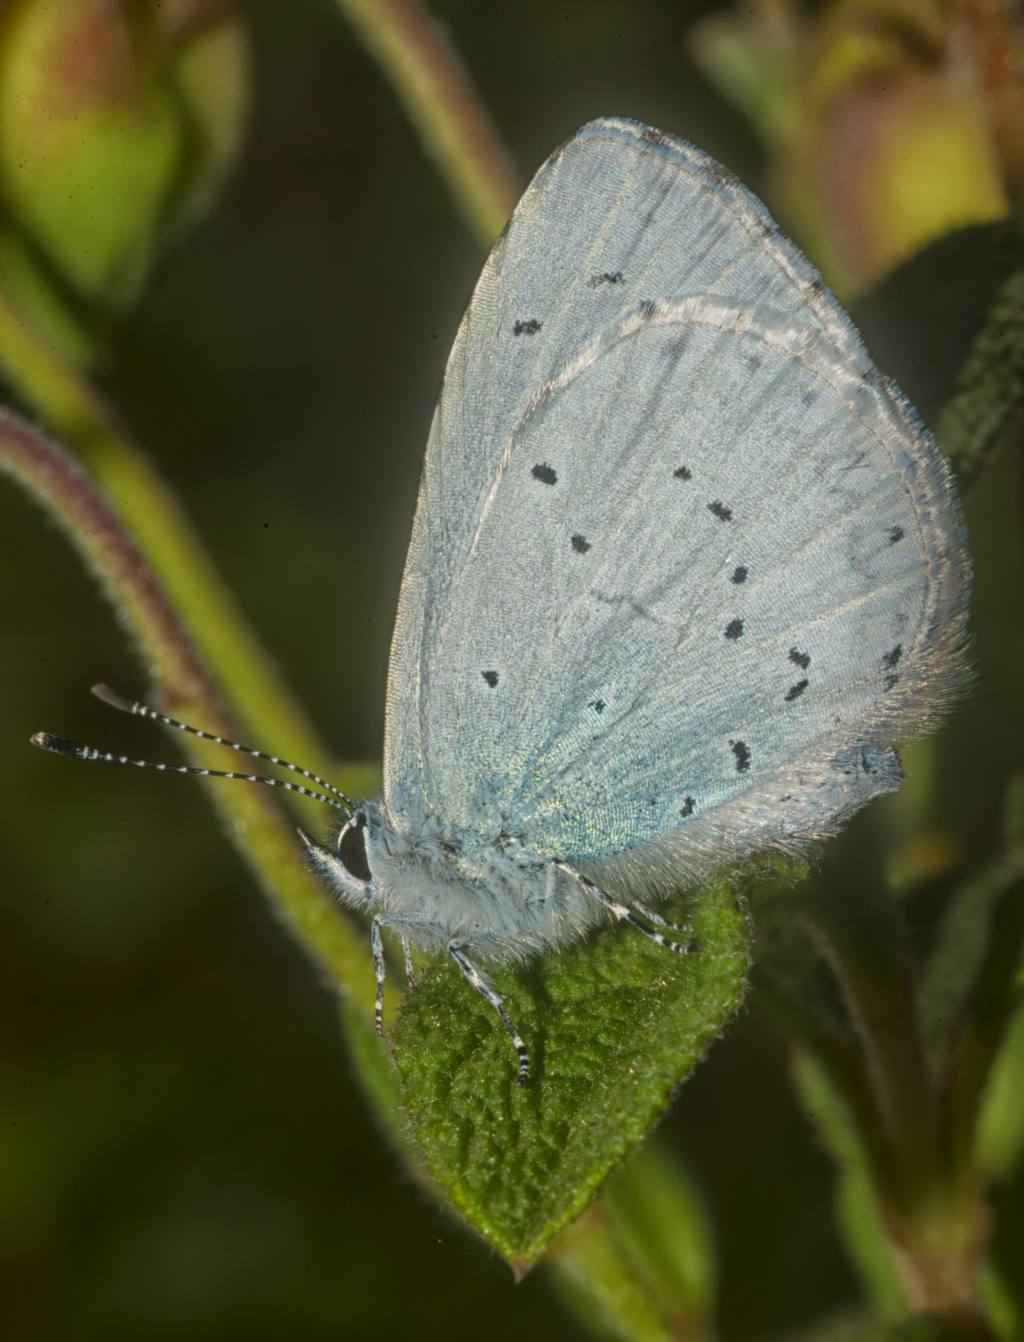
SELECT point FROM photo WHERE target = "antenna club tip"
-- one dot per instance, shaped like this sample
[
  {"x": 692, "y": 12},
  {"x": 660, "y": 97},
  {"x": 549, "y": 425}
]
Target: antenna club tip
[
  {"x": 56, "y": 745},
  {"x": 110, "y": 697}
]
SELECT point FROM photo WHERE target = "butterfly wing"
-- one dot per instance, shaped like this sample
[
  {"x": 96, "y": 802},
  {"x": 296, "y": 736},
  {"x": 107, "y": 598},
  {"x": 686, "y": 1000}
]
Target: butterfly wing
[{"x": 663, "y": 483}]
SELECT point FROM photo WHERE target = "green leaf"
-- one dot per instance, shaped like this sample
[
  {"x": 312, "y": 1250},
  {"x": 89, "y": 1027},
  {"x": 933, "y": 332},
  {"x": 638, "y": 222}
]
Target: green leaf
[
  {"x": 613, "y": 1026},
  {"x": 659, "y": 1219},
  {"x": 963, "y": 947},
  {"x": 974, "y": 980},
  {"x": 1001, "y": 1123},
  {"x": 858, "y": 1213},
  {"x": 599, "y": 1284},
  {"x": 988, "y": 395}
]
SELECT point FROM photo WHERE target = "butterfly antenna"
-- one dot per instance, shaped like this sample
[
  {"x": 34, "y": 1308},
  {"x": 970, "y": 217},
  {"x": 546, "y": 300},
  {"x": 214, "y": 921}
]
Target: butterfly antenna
[{"x": 58, "y": 745}]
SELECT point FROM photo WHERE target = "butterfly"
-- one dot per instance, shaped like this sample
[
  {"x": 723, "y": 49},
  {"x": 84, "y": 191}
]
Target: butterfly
[{"x": 684, "y": 566}]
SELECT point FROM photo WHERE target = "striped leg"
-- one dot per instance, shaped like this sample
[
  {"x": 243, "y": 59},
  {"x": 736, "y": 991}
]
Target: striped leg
[
  {"x": 659, "y": 921},
  {"x": 379, "y": 970},
  {"x": 477, "y": 980},
  {"x": 410, "y": 970},
  {"x": 623, "y": 913},
  {"x": 397, "y": 922}
]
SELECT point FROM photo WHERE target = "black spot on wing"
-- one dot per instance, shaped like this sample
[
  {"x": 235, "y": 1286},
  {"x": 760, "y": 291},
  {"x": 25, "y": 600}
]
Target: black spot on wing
[
  {"x": 580, "y": 544},
  {"x": 606, "y": 277},
  {"x": 889, "y": 682},
  {"x": 491, "y": 677},
  {"x": 718, "y": 508},
  {"x": 800, "y": 659},
  {"x": 754, "y": 362},
  {"x": 739, "y": 574},
  {"x": 687, "y": 807},
  {"x": 682, "y": 473},
  {"x": 734, "y": 629},
  {"x": 795, "y": 691},
  {"x": 598, "y": 705},
  {"x": 741, "y": 751},
  {"x": 895, "y": 534},
  {"x": 892, "y": 657},
  {"x": 544, "y": 473},
  {"x": 528, "y": 327}
]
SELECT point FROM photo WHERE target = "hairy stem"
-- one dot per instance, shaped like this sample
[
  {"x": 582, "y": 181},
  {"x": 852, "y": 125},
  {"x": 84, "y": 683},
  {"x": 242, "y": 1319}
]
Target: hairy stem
[{"x": 443, "y": 105}]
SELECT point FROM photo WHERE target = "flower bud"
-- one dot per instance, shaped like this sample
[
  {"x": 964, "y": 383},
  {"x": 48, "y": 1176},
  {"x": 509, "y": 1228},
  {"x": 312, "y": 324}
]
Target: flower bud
[
  {"x": 895, "y": 128},
  {"x": 118, "y": 120}
]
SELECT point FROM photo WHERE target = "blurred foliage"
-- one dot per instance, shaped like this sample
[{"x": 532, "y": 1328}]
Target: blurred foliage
[
  {"x": 650, "y": 1271},
  {"x": 185, "y": 1151},
  {"x": 118, "y": 122},
  {"x": 888, "y": 123}
]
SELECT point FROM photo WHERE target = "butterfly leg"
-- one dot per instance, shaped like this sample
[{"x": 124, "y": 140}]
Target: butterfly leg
[
  {"x": 476, "y": 980},
  {"x": 379, "y": 970},
  {"x": 383, "y": 920},
  {"x": 623, "y": 913},
  {"x": 659, "y": 921},
  {"x": 410, "y": 969}
]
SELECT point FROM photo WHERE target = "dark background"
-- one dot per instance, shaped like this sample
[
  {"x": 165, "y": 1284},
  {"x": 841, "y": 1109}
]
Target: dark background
[{"x": 183, "y": 1148}]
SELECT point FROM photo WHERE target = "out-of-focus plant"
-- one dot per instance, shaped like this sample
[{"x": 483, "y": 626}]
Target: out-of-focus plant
[
  {"x": 118, "y": 122},
  {"x": 887, "y": 123}
]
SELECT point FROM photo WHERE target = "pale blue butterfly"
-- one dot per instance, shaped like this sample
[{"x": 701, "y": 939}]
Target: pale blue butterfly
[{"x": 684, "y": 565}]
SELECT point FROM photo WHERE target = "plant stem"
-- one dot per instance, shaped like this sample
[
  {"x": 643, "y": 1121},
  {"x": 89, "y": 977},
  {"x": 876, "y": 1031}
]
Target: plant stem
[{"x": 443, "y": 105}]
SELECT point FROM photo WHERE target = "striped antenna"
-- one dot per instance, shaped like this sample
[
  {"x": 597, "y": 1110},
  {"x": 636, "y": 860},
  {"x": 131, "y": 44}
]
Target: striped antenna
[{"x": 58, "y": 745}]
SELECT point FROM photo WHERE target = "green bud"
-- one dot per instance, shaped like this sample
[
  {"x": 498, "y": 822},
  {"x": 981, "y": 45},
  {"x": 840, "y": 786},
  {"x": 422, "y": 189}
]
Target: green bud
[{"x": 118, "y": 121}]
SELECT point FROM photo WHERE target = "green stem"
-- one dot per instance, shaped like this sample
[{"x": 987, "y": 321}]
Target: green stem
[{"x": 442, "y": 104}]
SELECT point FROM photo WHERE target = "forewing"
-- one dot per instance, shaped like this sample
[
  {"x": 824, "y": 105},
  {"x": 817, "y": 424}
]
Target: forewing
[
  {"x": 693, "y": 551},
  {"x": 676, "y": 597},
  {"x": 620, "y": 214}
]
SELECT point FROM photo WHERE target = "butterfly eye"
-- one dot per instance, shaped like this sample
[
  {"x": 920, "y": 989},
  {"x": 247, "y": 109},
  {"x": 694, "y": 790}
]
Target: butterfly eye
[{"x": 352, "y": 848}]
